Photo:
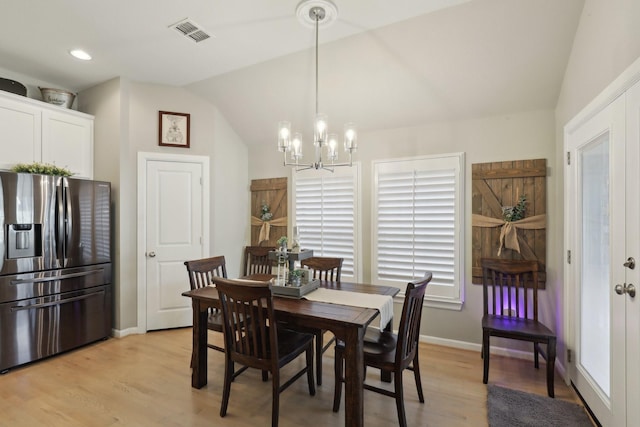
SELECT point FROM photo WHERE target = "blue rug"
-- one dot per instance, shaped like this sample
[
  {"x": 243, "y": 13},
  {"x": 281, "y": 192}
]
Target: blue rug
[{"x": 512, "y": 408}]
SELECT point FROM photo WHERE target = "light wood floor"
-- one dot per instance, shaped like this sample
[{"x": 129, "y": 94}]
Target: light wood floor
[{"x": 145, "y": 380}]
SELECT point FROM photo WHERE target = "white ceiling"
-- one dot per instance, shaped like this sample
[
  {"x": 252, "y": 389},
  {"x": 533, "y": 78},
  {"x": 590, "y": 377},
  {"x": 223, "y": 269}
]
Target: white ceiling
[{"x": 383, "y": 63}]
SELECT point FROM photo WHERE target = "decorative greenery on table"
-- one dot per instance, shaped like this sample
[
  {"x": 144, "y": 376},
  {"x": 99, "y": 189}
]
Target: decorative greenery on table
[
  {"x": 515, "y": 213},
  {"x": 41, "y": 168},
  {"x": 282, "y": 242}
]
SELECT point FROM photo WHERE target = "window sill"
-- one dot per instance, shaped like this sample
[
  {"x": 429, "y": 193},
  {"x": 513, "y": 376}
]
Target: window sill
[{"x": 434, "y": 302}]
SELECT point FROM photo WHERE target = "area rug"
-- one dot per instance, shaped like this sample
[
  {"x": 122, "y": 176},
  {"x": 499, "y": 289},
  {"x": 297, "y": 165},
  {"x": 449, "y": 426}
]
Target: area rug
[{"x": 512, "y": 408}]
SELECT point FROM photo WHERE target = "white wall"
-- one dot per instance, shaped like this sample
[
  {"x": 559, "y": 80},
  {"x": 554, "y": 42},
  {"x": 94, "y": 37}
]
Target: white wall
[
  {"x": 105, "y": 103},
  {"x": 518, "y": 136},
  {"x": 127, "y": 124}
]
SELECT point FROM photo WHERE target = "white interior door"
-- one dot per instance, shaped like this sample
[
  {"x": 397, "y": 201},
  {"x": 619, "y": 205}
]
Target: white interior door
[
  {"x": 176, "y": 218},
  {"x": 596, "y": 228}
]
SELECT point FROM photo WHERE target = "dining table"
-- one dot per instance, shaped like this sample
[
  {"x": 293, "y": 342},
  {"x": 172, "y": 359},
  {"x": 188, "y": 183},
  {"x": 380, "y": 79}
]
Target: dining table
[{"x": 347, "y": 323}]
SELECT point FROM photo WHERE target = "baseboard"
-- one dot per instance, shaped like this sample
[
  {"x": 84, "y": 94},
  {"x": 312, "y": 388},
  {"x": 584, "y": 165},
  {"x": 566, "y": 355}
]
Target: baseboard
[
  {"x": 500, "y": 351},
  {"x": 121, "y": 333}
]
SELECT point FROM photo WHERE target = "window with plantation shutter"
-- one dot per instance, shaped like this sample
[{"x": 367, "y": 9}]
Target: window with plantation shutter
[
  {"x": 419, "y": 224},
  {"x": 325, "y": 207}
]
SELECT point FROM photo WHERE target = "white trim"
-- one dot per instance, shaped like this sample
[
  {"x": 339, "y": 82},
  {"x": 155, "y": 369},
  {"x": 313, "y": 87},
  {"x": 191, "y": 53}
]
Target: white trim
[
  {"x": 121, "y": 333},
  {"x": 143, "y": 159},
  {"x": 497, "y": 351}
]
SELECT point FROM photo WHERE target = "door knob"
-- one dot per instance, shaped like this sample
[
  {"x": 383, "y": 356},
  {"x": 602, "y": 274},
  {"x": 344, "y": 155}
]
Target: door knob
[
  {"x": 630, "y": 264},
  {"x": 153, "y": 254},
  {"x": 626, "y": 289},
  {"x": 631, "y": 290}
]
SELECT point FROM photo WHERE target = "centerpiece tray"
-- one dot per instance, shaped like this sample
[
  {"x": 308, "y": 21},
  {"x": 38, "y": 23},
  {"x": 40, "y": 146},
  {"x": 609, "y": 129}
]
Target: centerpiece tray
[{"x": 296, "y": 291}]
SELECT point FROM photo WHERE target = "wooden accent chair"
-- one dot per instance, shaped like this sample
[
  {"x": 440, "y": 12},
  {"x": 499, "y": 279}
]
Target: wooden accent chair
[
  {"x": 323, "y": 268},
  {"x": 256, "y": 342},
  {"x": 256, "y": 260},
  {"x": 390, "y": 352},
  {"x": 510, "y": 307},
  {"x": 201, "y": 273}
]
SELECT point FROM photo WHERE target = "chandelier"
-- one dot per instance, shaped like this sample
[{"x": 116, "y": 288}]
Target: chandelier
[{"x": 291, "y": 143}]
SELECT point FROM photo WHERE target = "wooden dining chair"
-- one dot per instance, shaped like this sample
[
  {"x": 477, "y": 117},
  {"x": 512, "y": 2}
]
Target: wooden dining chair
[
  {"x": 510, "y": 310},
  {"x": 329, "y": 269},
  {"x": 390, "y": 352},
  {"x": 256, "y": 342},
  {"x": 256, "y": 260},
  {"x": 201, "y": 273}
]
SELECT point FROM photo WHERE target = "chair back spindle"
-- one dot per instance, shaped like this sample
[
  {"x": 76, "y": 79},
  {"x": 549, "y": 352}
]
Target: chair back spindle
[
  {"x": 510, "y": 288},
  {"x": 256, "y": 260},
  {"x": 324, "y": 268}
]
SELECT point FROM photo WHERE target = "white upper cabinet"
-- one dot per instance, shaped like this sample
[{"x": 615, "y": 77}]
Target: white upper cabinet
[
  {"x": 33, "y": 131},
  {"x": 20, "y": 136},
  {"x": 67, "y": 141}
]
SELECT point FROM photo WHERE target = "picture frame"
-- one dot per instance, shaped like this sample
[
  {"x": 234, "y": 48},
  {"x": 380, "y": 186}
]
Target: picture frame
[{"x": 174, "y": 129}]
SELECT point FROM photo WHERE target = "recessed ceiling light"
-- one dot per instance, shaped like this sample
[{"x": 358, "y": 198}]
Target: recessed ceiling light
[{"x": 80, "y": 54}]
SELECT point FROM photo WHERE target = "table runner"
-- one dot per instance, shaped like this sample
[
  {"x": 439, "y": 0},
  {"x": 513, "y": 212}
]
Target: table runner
[{"x": 382, "y": 303}]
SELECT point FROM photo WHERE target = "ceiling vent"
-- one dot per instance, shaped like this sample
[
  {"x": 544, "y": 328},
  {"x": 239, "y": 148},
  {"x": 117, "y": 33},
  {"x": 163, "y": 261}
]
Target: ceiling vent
[{"x": 191, "y": 30}]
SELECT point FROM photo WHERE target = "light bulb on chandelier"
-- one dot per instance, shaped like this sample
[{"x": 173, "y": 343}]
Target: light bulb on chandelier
[{"x": 289, "y": 142}]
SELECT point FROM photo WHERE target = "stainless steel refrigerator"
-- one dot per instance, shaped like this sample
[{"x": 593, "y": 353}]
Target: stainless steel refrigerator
[{"x": 55, "y": 265}]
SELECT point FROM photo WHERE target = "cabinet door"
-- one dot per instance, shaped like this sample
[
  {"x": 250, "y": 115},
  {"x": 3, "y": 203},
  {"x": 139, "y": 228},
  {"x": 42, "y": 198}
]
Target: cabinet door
[
  {"x": 20, "y": 133},
  {"x": 67, "y": 141}
]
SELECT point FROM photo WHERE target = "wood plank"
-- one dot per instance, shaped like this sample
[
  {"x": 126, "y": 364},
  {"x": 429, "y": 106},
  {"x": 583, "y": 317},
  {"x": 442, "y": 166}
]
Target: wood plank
[
  {"x": 268, "y": 184},
  {"x": 509, "y": 173}
]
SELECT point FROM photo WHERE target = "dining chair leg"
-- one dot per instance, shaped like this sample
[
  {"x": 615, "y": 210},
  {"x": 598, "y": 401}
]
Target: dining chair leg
[
  {"x": 309, "y": 355},
  {"x": 275, "y": 401},
  {"x": 337, "y": 392},
  {"x": 536, "y": 358},
  {"x": 485, "y": 356},
  {"x": 319, "y": 344},
  {"x": 551, "y": 362},
  {"x": 416, "y": 374},
  {"x": 399, "y": 395},
  {"x": 226, "y": 390}
]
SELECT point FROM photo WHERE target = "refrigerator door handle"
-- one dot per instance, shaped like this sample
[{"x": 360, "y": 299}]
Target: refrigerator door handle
[
  {"x": 58, "y": 302},
  {"x": 59, "y": 224},
  {"x": 68, "y": 220},
  {"x": 61, "y": 277}
]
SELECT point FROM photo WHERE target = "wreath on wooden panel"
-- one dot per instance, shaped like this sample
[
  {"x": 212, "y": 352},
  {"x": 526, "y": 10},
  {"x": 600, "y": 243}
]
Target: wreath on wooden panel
[
  {"x": 265, "y": 212},
  {"x": 513, "y": 218},
  {"x": 266, "y": 221},
  {"x": 515, "y": 213}
]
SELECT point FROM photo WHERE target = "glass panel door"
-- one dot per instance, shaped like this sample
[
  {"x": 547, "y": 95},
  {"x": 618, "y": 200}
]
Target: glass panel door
[{"x": 595, "y": 342}]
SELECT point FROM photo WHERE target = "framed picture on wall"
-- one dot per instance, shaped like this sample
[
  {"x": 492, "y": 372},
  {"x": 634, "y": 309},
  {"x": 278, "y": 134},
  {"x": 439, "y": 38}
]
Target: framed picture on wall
[{"x": 174, "y": 129}]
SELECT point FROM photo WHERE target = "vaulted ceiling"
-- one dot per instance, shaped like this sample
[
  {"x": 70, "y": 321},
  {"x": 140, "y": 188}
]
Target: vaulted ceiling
[{"x": 382, "y": 64}]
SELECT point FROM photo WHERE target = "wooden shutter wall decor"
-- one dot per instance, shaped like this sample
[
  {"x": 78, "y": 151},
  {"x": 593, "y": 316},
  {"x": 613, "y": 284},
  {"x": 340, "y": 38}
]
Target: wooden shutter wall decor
[
  {"x": 273, "y": 192},
  {"x": 500, "y": 184}
]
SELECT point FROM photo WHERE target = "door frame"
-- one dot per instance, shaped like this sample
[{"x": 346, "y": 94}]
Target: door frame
[
  {"x": 143, "y": 159},
  {"x": 615, "y": 89}
]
